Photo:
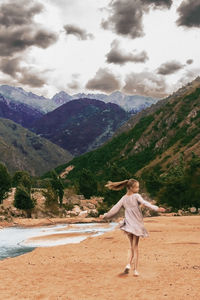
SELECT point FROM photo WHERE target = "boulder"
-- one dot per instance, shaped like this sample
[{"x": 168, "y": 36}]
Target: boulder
[
  {"x": 76, "y": 209},
  {"x": 193, "y": 209},
  {"x": 83, "y": 214}
]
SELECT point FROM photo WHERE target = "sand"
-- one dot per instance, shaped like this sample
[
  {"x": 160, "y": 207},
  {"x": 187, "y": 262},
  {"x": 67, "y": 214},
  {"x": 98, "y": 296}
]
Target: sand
[{"x": 169, "y": 266}]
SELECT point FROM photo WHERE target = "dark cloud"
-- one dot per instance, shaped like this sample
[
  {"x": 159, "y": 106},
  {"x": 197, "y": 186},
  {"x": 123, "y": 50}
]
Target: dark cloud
[
  {"x": 158, "y": 3},
  {"x": 170, "y": 67},
  {"x": 80, "y": 33},
  {"x": 31, "y": 79},
  {"x": 126, "y": 16},
  {"x": 10, "y": 66},
  {"x": 189, "y": 61},
  {"x": 18, "y": 30},
  {"x": 189, "y": 13},
  {"x": 15, "y": 40},
  {"x": 104, "y": 81},
  {"x": 146, "y": 84},
  {"x": 12, "y": 13},
  {"x": 119, "y": 56}
]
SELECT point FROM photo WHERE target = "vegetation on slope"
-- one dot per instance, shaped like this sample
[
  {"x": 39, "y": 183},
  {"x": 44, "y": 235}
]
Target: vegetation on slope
[{"x": 155, "y": 141}]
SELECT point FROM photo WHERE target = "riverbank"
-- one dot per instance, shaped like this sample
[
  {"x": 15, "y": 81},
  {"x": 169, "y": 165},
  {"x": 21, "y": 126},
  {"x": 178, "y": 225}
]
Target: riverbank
[
  {"x": 25, "y": 222},
  {"x": 169, "y": 266}
]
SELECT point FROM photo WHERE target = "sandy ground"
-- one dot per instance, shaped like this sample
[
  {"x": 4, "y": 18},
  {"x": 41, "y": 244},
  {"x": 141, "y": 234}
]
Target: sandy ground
[{"x": 169, "y": 266}]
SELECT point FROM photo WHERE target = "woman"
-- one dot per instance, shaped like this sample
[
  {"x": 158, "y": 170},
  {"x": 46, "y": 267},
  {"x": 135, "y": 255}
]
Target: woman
[{"x": 133, "y": 224}]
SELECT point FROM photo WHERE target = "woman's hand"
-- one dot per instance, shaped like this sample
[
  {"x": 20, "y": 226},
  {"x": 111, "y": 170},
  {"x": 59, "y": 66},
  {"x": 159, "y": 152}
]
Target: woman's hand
[
  {"x": 101, "y": 216},
  {"x": 161, "y": 209}
]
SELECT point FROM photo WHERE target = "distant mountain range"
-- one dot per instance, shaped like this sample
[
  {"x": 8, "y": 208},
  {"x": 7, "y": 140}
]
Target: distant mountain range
[
  {"x": 77, "y": 125},
  {"x": 21, "y": 149},
  {"x": 81, "y": 125},
  {"x": 131, "y": 103},
  {"x": 19, "y": 95}
]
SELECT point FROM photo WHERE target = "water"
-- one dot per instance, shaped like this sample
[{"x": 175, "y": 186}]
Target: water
[{"x": 16, "y": 241}]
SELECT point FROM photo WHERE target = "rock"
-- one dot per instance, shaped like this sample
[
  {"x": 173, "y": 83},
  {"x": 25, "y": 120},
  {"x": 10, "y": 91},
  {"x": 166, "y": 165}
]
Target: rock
[
  {"x": 83, "y": 214},
  {"x": 72, "y": 213},
  {"x": 180, "y": 211},
  {"x": 93, "y": 212},
  {"x": 193, "y": 209},
  {"x": 76, "y": 209},
  {"x": 91, "y": 206}
]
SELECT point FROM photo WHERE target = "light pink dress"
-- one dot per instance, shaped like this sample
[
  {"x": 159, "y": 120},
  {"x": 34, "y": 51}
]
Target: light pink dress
[{"x": 133, "y": 221}]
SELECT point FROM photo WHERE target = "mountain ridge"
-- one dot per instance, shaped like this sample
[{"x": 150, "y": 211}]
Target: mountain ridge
[
  {"x": 81, "y": 125},
  {"x": 21, "y": 149}
]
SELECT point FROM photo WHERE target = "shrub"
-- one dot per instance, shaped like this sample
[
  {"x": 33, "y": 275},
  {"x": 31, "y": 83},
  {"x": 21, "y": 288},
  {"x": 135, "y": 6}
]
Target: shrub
[
  {"x": 5, "y": 182},
  {"x": 23, "y": 200}
]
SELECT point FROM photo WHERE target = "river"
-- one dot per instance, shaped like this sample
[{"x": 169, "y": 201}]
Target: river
[{"x": 16, "y": 241}]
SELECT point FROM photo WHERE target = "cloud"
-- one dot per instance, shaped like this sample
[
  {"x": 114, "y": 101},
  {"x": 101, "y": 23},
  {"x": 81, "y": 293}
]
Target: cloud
[
  {"x": 145, "y": 83},
  {"x": 80, "y": 33},
  {"x": 31, "y": 79},
  {"x": 189, "y": 13},
  {"x": 104, "y": 81},
  {"x": 13, "y": 13},
  {"x": 15, "y": 40},
  {"x": 119, "y": 56},
  {"x": 18, "y": 30},
  {"x": 24, "y": 75},
  {"x": 10, "y": 66},
  {"x": 126, "y": 16},
  {"x": 74, "y": 85},
  {"x": 158, "y": 3},
  {"x": 187, "y": 77},
  {"x": 170, "y": 67},
  {"x": 189, "y": 61}
]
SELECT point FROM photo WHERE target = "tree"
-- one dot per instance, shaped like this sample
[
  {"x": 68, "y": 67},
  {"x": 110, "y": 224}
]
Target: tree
[
  {"x": 5, "y": 182},
  {"x": 21, "y": 177},
  {"x": 51, "y": 197},
  {"x": 23, "y": 200},
  {"x": 87, "y": 183},
  {"x": 57, "y": 186}
]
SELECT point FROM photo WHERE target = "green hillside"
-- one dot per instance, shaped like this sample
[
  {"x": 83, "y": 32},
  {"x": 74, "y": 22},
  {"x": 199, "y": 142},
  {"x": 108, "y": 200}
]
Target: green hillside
[
  {"x": 20, "y": 149},
  {"x": 156, "y": 140}
]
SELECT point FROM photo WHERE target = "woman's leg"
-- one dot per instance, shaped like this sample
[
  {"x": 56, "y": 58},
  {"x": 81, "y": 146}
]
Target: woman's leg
[
  {"x": 130, "y": 250},
  {"x": 135, "y": 251}
]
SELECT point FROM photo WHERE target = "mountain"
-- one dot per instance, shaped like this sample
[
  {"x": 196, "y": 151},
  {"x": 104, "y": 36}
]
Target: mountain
[
  {"x": 20, "y": 149},
  {"x": 81, "y": 125},
  {"x": 155, "y": 139},
  {"x": 18, "y": 95},
  {"x": 131, "y": 103},
  {"x": 18, "y": 112}
]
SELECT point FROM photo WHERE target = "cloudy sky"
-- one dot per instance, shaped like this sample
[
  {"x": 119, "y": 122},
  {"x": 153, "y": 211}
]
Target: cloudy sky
[{"x": 146, "y": 47}]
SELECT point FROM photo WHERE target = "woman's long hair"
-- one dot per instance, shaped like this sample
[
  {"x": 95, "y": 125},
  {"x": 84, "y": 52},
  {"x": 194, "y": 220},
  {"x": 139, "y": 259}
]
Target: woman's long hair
[{"x": 117, "y": 186}]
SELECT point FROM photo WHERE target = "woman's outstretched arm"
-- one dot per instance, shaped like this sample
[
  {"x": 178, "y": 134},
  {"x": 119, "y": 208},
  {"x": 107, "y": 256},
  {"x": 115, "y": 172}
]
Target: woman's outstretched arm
[
  {"x": 114, "y": 210},
  {"x": 148, "y": 204}
]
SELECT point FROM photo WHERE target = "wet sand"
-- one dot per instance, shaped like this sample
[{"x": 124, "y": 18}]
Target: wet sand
[{"x": 169, "y": 266}]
